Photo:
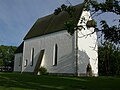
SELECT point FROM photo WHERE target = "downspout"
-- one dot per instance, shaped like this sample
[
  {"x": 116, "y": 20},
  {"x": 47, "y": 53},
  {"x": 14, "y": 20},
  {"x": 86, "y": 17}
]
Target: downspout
[
  {"x": 76, "y": 52},
  {"x": 76, "y": 47},
  {"x": 22, "y": 64}
]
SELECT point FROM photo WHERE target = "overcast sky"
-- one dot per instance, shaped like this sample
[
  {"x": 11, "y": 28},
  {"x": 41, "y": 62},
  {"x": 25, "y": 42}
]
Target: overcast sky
[{"x": 18, "y": 16}]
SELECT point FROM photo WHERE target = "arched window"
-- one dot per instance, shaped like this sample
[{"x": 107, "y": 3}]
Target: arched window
[
  {"x": 32, "y": 56},
  {"x": 89, "y": 70},
  {"x": 26, "y": 61},
  {"x": 55, "y": 54}
]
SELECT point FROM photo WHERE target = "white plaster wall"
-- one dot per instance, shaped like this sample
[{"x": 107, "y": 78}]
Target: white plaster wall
[
  {"x": 87, "y": 47},
  {"x": 66, "y": 56},
  {"x": 18, "y": 62}
]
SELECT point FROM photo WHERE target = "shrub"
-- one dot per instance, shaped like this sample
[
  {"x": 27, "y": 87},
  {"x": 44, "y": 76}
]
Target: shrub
[{"x": 43, "y": 71}]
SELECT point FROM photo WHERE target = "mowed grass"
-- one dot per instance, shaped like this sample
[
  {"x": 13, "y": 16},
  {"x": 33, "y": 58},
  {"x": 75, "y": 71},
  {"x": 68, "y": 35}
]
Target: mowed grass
[{"x": 16, "y": 81}]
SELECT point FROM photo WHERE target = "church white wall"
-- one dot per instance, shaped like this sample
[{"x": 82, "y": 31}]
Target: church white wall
[
  {"x": 87, "y": 47},
  {"x": 18, "y": 62},
  {"x": 66, "y": 56}
]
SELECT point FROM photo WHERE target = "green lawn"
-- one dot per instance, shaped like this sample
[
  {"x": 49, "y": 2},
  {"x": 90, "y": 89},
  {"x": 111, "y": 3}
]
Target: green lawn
[{"x": 15, "y": 81}]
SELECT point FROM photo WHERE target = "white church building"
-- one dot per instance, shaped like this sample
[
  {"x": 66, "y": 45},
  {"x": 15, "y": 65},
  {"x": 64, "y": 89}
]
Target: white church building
[{"x": 49, "y": 45}]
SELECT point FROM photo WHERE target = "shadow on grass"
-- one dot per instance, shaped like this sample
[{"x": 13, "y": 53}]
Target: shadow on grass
[
  {"x": 31, "y": 82},
  {"x": 26, "y": 81}
]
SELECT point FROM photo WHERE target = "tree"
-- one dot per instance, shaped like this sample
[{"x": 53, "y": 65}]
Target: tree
[
  {"x": 110, "y": 33},
  {"x": 7, "y": 55},
  {"x": 109, "y": 59},
  {"x": 105, "y": 53}
]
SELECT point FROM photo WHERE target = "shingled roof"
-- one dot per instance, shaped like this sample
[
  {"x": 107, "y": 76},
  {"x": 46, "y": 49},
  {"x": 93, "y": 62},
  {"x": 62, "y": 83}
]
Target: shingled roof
[{"x": 53, "y": 23}]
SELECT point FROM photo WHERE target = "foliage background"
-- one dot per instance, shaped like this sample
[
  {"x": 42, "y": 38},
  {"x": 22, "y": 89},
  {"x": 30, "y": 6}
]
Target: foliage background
[{"x": 7, "y": 55}]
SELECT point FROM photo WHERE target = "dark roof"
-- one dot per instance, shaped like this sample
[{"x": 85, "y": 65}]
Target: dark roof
[
  {"x": 20, "y": 48},
  {"x": 53, "y": 23}
]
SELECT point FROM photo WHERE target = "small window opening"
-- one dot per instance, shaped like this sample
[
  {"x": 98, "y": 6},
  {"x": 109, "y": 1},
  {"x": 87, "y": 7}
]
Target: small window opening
[
  {"x": 32, "y": 56},
  {"x": 89, "y": 70},
  {"x": 26, "y": 61},
  {"x": 55, "y": 55}
]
